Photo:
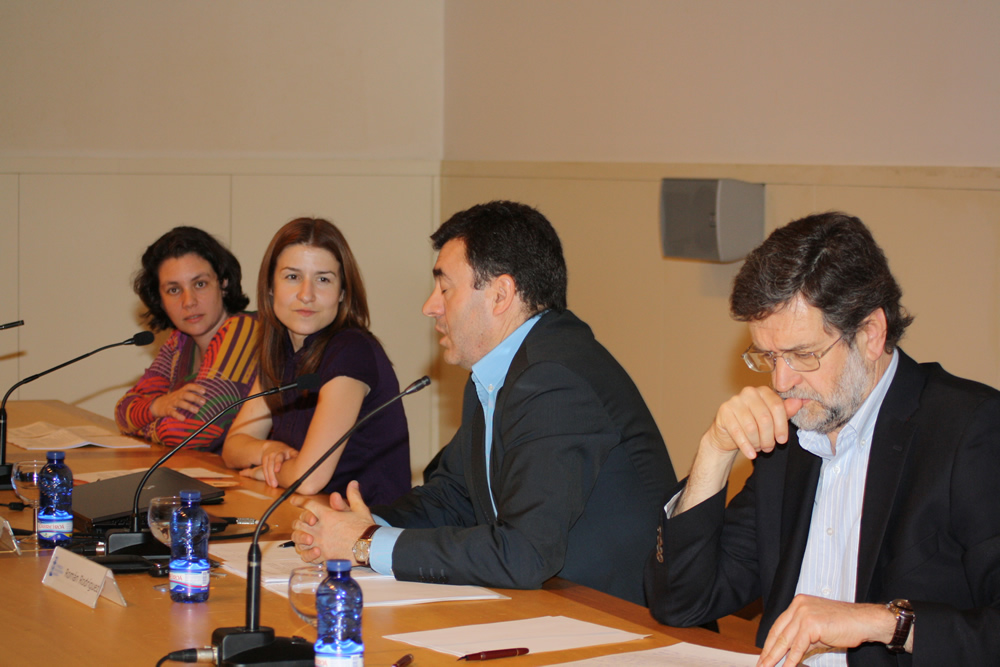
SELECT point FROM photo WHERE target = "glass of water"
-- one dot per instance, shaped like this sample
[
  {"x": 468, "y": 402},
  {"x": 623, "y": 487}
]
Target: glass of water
[
  {"x": 24, "y": 479},
  {"x": 158, "y": 517},
  {"x": 302, "y": 585}
]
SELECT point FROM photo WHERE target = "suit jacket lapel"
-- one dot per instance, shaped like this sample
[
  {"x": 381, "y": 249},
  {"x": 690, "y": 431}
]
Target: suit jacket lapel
[
  {"x": 890, "y": 446},
  {"x": 801, "y": 480}
]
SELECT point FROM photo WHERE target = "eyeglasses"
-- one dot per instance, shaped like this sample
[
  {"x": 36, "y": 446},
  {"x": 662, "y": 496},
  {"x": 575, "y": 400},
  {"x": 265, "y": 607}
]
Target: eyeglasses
[{"x": 800, "y": 362}]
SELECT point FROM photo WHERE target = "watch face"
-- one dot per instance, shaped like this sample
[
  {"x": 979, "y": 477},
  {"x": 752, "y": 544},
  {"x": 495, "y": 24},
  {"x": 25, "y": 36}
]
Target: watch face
[{"x": 361, "y": 548}]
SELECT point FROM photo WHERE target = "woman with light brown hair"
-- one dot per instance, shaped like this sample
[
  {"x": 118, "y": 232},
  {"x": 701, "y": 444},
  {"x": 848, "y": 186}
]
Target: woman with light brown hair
[{"x": 313, "y": 315}]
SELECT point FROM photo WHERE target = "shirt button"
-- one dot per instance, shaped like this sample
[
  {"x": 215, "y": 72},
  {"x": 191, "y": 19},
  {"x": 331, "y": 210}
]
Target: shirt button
[
  {"x": 829, "y": 531},
  {"x": 489, "y": 388},
  {"x": 836, "y": 469},
  {"x": 826, "y": 591}
]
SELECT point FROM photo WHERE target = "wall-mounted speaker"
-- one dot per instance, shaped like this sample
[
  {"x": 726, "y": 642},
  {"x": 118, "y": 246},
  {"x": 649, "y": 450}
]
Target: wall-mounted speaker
[{"x": 719, "y": 219}]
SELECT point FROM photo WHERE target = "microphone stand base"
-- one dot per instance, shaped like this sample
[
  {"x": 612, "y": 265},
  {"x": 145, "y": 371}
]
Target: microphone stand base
[
  {"x": 5, "y": 471},
  {"x": 240, "y": 647},
  {"x": 142, "y": 543}
]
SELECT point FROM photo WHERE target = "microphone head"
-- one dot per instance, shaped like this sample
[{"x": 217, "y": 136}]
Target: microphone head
[
  {"x": 142, "y": 338},
  {"x": 308, "y": 382},
  {"x": 417, "y": 386}
]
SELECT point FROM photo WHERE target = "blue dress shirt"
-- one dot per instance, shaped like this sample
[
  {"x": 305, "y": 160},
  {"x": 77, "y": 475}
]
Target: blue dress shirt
[{"x": 488, "y": 375}]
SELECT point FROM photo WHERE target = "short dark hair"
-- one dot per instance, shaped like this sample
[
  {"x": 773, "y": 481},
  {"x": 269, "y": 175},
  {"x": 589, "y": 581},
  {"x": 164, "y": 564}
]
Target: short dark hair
[
  {"x": 504, "y": 237},
  {"x": 178, "y": 242},
  {"x": 832, "y": 260}
]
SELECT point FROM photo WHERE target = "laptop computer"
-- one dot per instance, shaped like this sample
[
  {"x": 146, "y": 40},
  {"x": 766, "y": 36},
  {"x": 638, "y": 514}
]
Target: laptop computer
[{"x": 100, "y": 506}]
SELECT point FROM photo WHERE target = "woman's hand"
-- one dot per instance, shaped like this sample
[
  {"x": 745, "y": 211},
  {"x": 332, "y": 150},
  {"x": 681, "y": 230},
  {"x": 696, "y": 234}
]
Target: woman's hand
[
  {"x": 273, "y": 454},
  {"x": 190, "y": 397}
]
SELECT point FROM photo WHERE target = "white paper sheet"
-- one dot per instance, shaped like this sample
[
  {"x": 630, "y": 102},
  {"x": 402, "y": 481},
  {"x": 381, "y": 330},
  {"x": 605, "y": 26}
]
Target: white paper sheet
[
  {"x": 678, "y": 655},
  {"x": 538, "y": 635},
  {"x": 43, "y": 436},
  {"x": 378, "y": 590}
]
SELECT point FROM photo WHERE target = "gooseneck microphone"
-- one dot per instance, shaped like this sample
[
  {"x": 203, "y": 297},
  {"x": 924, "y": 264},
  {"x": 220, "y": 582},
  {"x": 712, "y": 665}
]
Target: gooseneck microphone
[
  {"x": 134, "y": 540},
  {"x": 140, "y": 339},
  {"x": 256, "y": 645},
  {"x": 11, "y": 325}
]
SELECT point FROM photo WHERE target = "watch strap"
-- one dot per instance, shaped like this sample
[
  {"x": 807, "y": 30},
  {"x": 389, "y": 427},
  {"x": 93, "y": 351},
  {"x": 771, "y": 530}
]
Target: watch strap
[
  {"x": 903, "y": 611},
  {"x": 362, "y": 553}
]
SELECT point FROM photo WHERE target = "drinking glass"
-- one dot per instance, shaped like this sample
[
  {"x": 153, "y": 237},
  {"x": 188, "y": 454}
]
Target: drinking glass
[
  {"x": 302, "y": 585},
  {"x": 161, "y": 510},
  {"x": 24, "y": 479}
]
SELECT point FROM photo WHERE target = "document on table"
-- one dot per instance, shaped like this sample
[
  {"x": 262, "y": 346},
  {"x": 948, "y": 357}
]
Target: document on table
[
  {"x": 43, "y": 436},
  {"x": 379, "y": 590},
  {"x": 678, "y": 655},
  {"x": 547, "y": 633},
  {"x": 204, "y": 474}
]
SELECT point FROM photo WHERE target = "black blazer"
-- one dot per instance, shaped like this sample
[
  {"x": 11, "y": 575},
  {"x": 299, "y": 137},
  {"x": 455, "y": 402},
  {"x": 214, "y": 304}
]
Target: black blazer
[
  {"x": 930, "y": 527},
  {"x": 578, "y": 472}
]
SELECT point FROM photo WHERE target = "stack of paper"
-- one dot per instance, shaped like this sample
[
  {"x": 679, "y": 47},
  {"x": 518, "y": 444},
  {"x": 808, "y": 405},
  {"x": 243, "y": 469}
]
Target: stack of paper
[
  {"x": 44, "y": 436},
  {"x": 378, "y": 590}
]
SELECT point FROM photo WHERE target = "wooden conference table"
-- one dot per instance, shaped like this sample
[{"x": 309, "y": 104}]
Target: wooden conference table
[{"x": 42, "y": 626}]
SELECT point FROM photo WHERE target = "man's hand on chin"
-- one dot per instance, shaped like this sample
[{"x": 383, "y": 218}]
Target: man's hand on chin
[{"x": 324, "y": 532}]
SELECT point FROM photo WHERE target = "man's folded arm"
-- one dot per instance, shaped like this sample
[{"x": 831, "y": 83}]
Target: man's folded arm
[{"x": 707, "y": 566}]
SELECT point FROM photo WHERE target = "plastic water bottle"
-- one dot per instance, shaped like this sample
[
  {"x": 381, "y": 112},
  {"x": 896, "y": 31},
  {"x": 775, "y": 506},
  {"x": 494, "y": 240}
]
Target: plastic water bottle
[
  {"x": 55, "y": 502},
  {"x": 338, "y": 618},
  {"x": 189, "y": 566}
]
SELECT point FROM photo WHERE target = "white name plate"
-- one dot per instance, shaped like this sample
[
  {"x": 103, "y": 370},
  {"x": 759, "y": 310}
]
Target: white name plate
[{"x": 81, "y": 579}]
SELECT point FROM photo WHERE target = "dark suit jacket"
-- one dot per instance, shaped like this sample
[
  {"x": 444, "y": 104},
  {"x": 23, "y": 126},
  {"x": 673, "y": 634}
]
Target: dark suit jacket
[
  {"x": 578, "y": 472},
  {"x": 930, "y": 527}
]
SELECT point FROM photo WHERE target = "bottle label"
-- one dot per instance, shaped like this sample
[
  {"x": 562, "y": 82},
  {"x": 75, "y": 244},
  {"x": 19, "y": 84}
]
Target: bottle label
[
  {"x": 189, "y": 582},
  {"x": 326, "y": 660},
  {"x": 57, "y": 529}
]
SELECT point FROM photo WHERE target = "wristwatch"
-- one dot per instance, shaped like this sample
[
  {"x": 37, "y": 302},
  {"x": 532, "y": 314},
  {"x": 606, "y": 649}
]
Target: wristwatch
[
  {"x": 362, "y": 548},
  {"x": 903, "y": 611}
]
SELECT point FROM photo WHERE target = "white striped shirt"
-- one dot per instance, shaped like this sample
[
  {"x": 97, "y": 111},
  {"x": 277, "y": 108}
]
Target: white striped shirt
[{"x": 830, "y": 565}]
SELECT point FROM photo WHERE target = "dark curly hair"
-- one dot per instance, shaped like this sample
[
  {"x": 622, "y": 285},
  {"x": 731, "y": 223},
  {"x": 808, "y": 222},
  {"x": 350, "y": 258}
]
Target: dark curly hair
[
  {"x": 505, "y": 237},
  {"x": 178, "y": 242},
  {"x": 832, "y": 260}
]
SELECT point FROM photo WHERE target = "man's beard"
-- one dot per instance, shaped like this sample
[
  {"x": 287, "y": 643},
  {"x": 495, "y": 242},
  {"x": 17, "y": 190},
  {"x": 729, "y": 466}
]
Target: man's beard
[{"x": 826, "y": 414}]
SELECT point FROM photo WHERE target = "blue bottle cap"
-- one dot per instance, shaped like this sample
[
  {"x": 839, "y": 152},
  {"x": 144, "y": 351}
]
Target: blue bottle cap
[
  {"x": 189, "y": 496},
  {"x": 55, "y": 456},
  {"x": 338, "y": 566}
]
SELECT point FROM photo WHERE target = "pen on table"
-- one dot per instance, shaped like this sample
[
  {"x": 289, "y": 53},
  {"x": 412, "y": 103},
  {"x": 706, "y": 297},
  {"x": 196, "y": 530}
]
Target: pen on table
[
  {"x": 493, "y": 655},
  {"x": 404, "y": 661},
  {"x": 285, "y": 545}
]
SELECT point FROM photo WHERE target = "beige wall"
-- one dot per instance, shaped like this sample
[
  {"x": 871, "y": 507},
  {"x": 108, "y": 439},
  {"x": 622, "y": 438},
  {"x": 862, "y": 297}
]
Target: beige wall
[
  {"x": 305, "y": 78},
  {"x": 852, "y": 82},
  {"x": 123, "y": 119}
]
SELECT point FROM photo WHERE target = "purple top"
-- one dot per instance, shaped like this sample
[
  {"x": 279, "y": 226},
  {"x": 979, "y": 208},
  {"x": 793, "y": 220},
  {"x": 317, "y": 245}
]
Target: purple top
[{"x": 378, "y": 454}]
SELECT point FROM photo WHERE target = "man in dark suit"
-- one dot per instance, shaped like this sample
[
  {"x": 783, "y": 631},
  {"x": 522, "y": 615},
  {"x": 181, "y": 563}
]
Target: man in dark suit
[
  {"x": 870, "y": 525},
  {"x": 558, "y": 468}
]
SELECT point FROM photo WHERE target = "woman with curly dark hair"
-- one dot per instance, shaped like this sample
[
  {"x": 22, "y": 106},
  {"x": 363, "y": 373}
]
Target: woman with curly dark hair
[{"x": 189, "y": 282}]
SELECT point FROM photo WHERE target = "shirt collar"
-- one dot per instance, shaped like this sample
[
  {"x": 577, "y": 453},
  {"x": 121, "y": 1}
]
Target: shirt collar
[
  {"x": 491, "y": 371},
  {"x": 860, "y": 427}
]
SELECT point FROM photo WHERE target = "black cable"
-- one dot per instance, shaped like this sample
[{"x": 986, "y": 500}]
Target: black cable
[
  {"x": 188, "y": 655},
  {"x": 264, "y": 529},
  {"x": 14, "y": 506}
]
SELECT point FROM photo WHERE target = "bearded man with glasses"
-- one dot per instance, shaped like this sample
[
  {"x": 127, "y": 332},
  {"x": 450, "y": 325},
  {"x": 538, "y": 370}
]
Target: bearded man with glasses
[{"x": 870, "y": 525}]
